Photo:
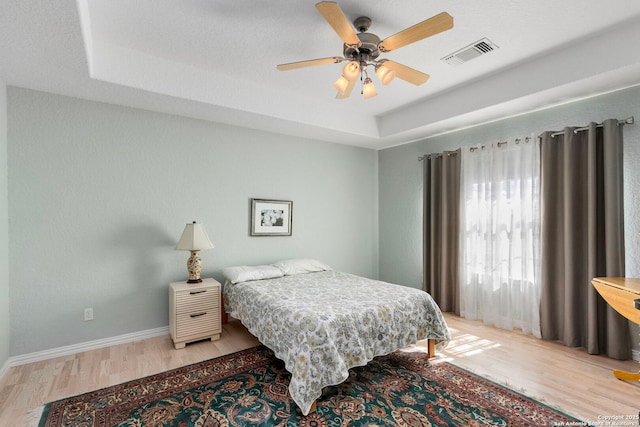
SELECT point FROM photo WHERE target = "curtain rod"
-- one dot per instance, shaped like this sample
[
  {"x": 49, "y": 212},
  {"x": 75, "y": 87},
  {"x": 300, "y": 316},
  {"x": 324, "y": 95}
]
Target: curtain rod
[
  {"x": 472, "y": 148},
  {"x": 448, "y": 153},
  {"x": 627, "y": 121}
]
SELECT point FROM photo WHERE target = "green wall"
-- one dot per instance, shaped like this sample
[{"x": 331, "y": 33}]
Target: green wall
[
  {"x": 4, "y": 233},
  {"x": 99, "y": 195},
  {"x": 400, "y": 179}
]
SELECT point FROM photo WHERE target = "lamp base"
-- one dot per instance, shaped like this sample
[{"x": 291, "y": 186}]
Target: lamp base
[{"x": 194, "y": 267}]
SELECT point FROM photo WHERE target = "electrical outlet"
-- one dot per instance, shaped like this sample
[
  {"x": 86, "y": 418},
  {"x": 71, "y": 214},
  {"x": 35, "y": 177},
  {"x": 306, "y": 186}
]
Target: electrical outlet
[{"x": 88, "y": 313}]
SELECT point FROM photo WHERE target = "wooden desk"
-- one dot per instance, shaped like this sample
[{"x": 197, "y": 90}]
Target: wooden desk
[{"x": 621, "y": 294}]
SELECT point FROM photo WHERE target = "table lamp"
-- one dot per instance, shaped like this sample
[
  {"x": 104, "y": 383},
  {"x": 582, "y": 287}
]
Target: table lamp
[{"x": 194, "y": 239}]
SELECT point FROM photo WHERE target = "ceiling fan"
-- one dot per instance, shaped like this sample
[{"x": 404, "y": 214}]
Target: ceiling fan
[{"x": 362, "y": 49}]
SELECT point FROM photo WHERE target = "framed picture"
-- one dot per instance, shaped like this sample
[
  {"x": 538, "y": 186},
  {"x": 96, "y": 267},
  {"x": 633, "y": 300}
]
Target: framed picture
[{"x": 271, "y": 217}]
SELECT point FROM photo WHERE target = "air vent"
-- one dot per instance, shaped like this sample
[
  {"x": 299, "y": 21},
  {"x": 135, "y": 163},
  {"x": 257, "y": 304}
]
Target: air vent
[{"x": 470, "y": 52}]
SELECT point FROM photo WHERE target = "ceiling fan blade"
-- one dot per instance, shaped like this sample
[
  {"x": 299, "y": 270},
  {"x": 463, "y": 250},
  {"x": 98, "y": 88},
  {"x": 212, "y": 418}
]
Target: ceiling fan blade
[
  {"x": 407, "y": 73},
  {"x": 424, "y": 29},
  {"x": 347, "y": 91},
  {"x": 339, "y": 22},
  {"x": 309, "y": 63}
]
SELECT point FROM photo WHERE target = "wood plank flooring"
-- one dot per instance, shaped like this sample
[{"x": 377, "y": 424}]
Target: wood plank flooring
[{"x": 569, "y": 379}]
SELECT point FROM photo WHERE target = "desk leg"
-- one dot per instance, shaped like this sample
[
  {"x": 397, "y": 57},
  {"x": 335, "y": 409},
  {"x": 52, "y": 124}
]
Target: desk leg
[{"x": 627, "y": 376}]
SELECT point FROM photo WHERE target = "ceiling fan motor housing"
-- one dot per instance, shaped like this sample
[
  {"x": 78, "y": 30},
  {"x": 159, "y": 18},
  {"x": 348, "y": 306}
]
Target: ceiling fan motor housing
[{"x": 368, "y": 48}]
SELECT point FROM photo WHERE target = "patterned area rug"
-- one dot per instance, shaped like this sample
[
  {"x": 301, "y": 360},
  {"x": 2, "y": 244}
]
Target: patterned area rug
[{"x": 250, "y": 388}]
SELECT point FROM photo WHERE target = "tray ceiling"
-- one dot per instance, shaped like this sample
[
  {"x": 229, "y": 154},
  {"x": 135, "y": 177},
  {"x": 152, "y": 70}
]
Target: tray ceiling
[{"x": 216, "y": 60}]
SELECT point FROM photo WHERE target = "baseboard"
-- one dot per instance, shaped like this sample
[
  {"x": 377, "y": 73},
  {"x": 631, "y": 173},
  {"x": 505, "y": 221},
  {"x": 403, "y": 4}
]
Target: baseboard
[
  {"x": 3, "y": 369},
  {"x": 85, "y": 346}
]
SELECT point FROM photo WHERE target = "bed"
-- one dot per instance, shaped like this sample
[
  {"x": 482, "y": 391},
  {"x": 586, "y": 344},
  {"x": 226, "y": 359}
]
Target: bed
[{"x": 322, "y": 322}]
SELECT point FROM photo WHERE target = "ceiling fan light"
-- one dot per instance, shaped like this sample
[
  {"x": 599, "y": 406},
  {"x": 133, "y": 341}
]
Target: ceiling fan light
[
  {"x": 368, "y": 90},
  {"x": 341, "y": 84},
  {"x": 385, "y": 74},
  {"x": 351, "y": 70}
]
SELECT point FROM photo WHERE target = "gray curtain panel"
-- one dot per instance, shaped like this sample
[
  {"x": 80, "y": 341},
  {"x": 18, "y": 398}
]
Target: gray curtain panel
[
  {"x": 582, "y": 237},
  {"x": 441, "y": 225}
]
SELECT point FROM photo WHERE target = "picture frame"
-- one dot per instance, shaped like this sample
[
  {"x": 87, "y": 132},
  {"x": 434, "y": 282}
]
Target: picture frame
[{"x": 271, "y": 217}]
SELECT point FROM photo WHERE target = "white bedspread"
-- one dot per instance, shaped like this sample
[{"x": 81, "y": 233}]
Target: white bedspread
[{"x": 321, "y": 324}]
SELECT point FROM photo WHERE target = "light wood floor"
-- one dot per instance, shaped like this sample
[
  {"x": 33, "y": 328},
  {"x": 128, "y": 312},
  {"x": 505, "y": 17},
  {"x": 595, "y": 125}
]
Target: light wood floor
[{"x": 580, "y": 384}]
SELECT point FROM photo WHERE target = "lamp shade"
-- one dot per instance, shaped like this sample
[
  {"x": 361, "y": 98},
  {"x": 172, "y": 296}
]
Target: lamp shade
[
  {"x": 385, "y": 74},
  {"x": 351, "y": 70},
  {"x": 194, "y": 238},
  {"x": 369, "y": 90},
  {"x": 341, "y": 84}
]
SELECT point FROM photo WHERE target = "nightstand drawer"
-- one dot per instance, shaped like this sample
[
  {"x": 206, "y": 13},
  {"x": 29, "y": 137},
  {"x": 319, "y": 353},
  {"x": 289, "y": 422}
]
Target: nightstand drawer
[
  {"x": 194, "y": 298},
  {"x": 199, "y": 323},
  {"x": 187, "y": 304}
]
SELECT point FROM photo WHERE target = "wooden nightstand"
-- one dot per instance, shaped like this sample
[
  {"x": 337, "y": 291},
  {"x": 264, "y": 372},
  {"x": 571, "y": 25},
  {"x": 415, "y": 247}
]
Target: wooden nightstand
[{"x": 194, "y": 311}]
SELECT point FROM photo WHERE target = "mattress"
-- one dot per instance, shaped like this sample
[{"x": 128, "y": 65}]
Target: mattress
[{"x": 321, "y": 324}]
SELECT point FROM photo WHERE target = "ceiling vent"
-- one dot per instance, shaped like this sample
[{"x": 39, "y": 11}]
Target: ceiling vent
[{"x": 470, "y": 52}]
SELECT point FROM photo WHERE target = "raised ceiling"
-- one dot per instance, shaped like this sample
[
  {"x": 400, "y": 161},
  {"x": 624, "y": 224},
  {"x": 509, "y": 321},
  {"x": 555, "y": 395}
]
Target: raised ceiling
[{"x": 216, "y": 60}]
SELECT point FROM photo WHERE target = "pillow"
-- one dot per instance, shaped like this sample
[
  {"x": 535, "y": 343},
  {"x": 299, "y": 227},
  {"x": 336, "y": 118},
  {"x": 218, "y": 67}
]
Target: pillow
[
  {"x": 245, "y": 273},
  {"x": 300, "y": 266}
]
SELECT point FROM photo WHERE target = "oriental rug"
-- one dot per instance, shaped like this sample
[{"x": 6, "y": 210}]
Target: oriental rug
[{"x": 250, "y": 388}]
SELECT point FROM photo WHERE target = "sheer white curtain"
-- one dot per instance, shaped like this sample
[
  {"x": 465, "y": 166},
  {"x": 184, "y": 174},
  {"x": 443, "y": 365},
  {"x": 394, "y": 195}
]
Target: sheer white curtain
[{"x": 500, "y": 234}]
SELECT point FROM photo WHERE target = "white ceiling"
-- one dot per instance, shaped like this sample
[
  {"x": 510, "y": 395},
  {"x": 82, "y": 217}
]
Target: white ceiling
[{"x": 216, "y": 60}]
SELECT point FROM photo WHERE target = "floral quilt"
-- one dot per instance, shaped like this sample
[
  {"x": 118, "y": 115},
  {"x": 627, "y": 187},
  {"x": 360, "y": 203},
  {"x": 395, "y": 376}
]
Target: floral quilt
[{"x": 321, "y": 324}]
